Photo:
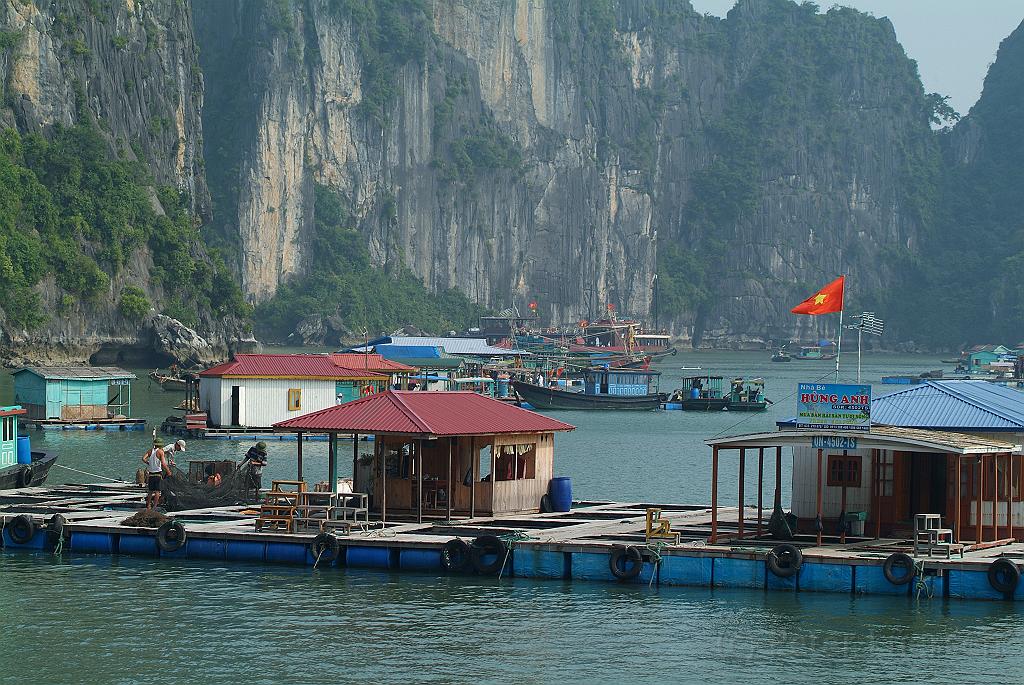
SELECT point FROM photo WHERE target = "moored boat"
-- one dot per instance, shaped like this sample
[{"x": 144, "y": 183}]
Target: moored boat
[
  {"x": 747, "y": 395},
  {"x": 28, "y": 475},
  {"x": 814, "y": 353},
  {"x": 602, "y": 389},
  {"x": 702, "y": 393},
  {"x": 168, "y": 382},
  {"x": 20, "y": 466},
  {"x": 781, "y": 356}
]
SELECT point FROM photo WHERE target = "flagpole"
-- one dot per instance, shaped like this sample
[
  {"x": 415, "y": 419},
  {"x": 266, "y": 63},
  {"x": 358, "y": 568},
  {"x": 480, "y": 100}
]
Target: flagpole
[{"x": 839, "y": 346}]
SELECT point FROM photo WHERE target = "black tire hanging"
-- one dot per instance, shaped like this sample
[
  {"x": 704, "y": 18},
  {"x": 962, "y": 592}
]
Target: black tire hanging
[
  {"x": 325, "y": 546},
  {"x": 546, "y": 507},
  {"x": 784, "y": 561},
  {"x": 625, "y": 563},
  {"x": 901, "y": 560},
  {"x": 455, "y": 555},
  {"x": 55, "y": 527},
  {"x": 484, "y": 546},
  {"x": 170, "y": 537},
  {"x": 21, "y": 529},
  {"x": 25, "y": 477},
  {"x": 1003, "y": 576}
]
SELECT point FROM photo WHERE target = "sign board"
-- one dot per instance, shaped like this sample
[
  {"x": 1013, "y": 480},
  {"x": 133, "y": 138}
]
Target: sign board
[
  {"x": 834, "y": 442},
  {"x": 833, "y": 406},
  {"x": 120, "y": 381}
]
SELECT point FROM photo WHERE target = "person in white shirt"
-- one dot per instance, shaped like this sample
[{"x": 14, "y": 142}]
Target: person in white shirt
[{"x": 169, "y": 451}]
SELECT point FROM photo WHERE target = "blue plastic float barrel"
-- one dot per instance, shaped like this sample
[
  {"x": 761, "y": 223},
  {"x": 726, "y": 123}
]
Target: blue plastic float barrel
[
  {"x": 502, "y": 387},
  {"x": 560, "y": 491},
  {"x": 24, "y": 450}
]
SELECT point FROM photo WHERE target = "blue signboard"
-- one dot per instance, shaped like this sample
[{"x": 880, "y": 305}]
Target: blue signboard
[{"x": 832, "y": 406}]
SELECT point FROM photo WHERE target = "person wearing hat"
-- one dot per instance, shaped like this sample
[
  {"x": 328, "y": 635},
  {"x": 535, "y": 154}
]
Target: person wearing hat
[
  {"x": 256, "y": 457},
  {"x": 156, "y": 468},
  {"x": 169, "y": 452}
]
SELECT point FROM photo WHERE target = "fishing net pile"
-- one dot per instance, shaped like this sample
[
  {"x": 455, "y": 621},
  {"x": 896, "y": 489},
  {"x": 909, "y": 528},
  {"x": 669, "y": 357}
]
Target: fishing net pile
[
  {"x": 179, "y": 492},
  {"x": 145, "y": 518}
]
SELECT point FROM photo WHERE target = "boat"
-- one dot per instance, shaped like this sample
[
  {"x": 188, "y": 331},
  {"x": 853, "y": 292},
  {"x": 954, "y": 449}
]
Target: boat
[
  {"x": 28, "y": 475},
  {"x": 747, "y": 395},
  {"x": 20, "y": 465},
  {"x": 781, "y": 356},
  {"x": 701, "y": 393},
  {"x": 169, "y": 382},
  {"x": 690, "y": 368},
  {"x": 814, "y": 353},
  {"x": 602, "y": 389}
]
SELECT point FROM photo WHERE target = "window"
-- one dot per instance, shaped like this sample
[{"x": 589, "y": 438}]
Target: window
[
  {"x": 294, "y": 399},
  {"x": 516, "y": 462},
  {"x": 844, "y": 470},
  {"x": 8, "y": 430}
]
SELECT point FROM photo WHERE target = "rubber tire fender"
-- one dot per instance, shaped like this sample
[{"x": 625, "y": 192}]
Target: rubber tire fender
[
  {"x": 488, "y": 544},
  {"x": 621, "y": 554},
  {"x": 793, "y": 555},
  {"x": 21, "y": 529},
  {"x": 55, "y": 527},
  {"x": 25, "y": 477},
  {"x": 171, "y": 536},
  {"x": 546, "y": 507},
  {"x": 456, "y": 555},
  {"x": 674, "y": 351},
  {"x": 325, "y": 546},
  {"x": 898, "y": 559},
  {"x": 1003, "y": 576}
]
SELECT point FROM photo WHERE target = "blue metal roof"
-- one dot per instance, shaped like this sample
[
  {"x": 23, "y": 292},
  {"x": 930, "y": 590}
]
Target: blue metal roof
[
  {"x": 952, "y": 405},
  {"x": 458, "y": 346},
  {"x": 408, "y": 351}
]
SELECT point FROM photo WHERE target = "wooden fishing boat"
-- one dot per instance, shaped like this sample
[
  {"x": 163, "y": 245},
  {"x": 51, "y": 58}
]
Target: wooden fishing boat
[
  {"x": 602, "y": 389},
  {"x": 814, "y": 353},
  {"x": 747, "y": 395},
  {"x": 701, "y": 393},
  {"x": 172, "y": 383},
  {"x": 781, "y": 356},
  {"x": 28, "y": 475}
]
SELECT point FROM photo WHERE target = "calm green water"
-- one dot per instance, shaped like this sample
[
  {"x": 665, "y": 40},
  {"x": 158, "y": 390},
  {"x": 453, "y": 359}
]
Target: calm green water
[{"x": 125, "y": 620}]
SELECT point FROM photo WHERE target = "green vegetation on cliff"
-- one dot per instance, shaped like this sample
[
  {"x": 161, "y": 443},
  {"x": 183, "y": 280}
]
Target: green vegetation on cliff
[
  {"x": 341, "y": 281},
  {"x": 69, "y": 211}
]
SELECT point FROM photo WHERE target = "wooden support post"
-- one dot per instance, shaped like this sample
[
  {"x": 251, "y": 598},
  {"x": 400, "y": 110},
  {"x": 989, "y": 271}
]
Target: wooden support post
[
  {"x": 474, "y": 466},
  {"x": 381, "y": 454},
  {"x": 419, "y": 481},
  {"x": 977, "y": 504},
  {"x": 995, "y": 496},
  {"x": 778, "y": 476},
  {"x": 956, "y": 506},
  {"x": 760, "y": 487},
  {"x": 448, "y": 482},
  {"x": 818, "y": 523},
  {"x": 332, "y": 460},
  {"x": 299, "y": 459},
  {"x": 714, "y": 495},
  {"x": 876, "y": 491},
  {"x": 842, "y": 508},
  {"x": 1009, "y": 496},
  {"x": 355, "y": 460},
  {"x": 743, "y": 464}
]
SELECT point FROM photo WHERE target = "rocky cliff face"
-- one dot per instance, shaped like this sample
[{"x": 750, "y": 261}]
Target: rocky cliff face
[
  {"x": 129, "y": 70},
  {"x": 759, "y": 154}
]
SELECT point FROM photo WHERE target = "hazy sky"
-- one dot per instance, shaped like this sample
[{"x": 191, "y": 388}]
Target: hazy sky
[{"x": 953, "y": 41}]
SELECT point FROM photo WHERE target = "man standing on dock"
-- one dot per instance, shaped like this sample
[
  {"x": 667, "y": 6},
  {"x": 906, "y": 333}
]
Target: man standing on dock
[
  {"x": 156, "y": 468},
  {"x": 256, "y": 457}
]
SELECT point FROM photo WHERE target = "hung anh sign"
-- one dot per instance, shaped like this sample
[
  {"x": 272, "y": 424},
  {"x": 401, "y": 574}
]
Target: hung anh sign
[{"x": 833, "y": 406}]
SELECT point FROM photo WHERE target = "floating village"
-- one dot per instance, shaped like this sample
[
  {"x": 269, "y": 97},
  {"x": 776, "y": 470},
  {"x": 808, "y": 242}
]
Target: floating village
[{"x": 454, "y": 466}]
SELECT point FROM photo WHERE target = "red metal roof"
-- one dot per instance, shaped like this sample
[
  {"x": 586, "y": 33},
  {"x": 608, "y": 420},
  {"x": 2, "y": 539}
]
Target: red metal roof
[
  {"x": 425, "y": 413},
  {"x": 372, "y": 362},
  {"x": 286, "y": 366}
]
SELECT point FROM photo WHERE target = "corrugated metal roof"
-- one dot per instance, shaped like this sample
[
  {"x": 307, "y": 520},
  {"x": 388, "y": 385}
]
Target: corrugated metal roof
[
  {"x": 74, "y": 373},
  {"x": 468, "y": 346},
  {"x": 369, "y": 361},
  {"x": 425, "y": 413},
  {"x": 883, "y": 437},
  {"x": 287, "y": 366},
  {"x": 408, "y": 351},
  {"x": 952, "y": 405}
]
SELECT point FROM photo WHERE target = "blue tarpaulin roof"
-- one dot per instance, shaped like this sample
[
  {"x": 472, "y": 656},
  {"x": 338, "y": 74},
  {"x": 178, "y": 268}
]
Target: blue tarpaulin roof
[
  {"x": 468, "y": 346},
  {"x": 952, "y": 405},
  {"x": 407, "y": 351}
]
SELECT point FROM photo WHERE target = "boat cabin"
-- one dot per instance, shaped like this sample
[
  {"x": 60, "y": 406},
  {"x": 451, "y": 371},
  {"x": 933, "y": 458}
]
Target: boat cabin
[
  {"x": 73, "y": 393},
  {"x": 9, "y": 435},
  {"x": 620, "y": 382},
  {"x": 703, "y": 387},
  {"x": 441, "y": 454}
]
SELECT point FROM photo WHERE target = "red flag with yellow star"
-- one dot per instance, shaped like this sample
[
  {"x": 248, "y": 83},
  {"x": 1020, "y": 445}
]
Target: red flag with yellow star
[{"x": 827, "y": 300}]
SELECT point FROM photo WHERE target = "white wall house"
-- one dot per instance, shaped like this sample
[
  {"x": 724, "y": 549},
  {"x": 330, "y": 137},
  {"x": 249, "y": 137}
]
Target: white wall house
[{"x": 258, "y": 390}]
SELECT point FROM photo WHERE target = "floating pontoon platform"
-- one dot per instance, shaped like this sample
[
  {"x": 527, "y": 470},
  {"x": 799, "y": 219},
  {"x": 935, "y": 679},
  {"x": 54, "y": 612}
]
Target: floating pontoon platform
[{"x": 578, "y": 545}]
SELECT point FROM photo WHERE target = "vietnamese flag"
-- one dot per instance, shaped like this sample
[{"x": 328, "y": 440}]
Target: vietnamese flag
[{"x": 827, "y": 300}]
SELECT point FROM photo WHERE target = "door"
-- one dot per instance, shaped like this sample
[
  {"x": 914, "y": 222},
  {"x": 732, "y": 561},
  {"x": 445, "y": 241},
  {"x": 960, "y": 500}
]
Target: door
[
  {"x": 236, "y": 405},
  {"x": 927, "y": 491}
]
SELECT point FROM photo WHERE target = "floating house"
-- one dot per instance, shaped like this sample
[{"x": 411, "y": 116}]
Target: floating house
[
  {"x": 73, "y": 393},
  {"x": 258, "y": 390},
  {"x": 947, "y": 447},
  {"x": 442, "y": 454},
  {"x": 980, "y": 356}
]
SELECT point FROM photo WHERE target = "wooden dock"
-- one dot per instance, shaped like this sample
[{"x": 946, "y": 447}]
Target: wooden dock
[{"x": 580, "y": 545}]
